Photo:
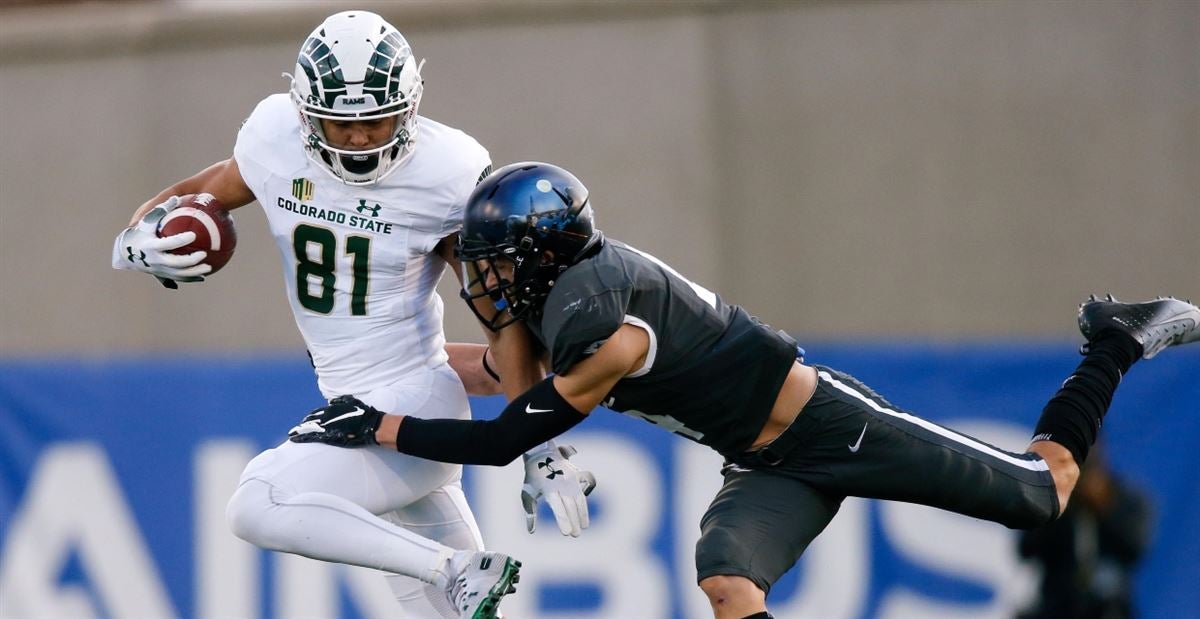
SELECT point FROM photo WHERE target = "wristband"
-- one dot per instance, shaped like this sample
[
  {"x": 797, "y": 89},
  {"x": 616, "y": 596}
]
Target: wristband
[{"x": 487, "y": 368}]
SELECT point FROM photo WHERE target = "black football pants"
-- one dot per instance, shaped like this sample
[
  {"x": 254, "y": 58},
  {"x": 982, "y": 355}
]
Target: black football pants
[{"x": 849, "y": 441}]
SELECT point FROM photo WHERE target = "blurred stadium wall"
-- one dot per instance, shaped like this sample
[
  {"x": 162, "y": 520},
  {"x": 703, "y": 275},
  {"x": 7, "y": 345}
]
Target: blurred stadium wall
[
  {"x": 909, "y": 187},
  {"x": 929, "y": 169}
]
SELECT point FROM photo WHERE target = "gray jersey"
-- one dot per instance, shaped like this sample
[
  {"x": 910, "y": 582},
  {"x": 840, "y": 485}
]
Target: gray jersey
[{"x": 712, "y": 372}]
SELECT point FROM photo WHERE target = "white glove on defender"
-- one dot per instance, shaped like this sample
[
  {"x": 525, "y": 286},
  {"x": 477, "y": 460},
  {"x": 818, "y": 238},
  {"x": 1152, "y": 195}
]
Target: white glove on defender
[
  {"x": 549, "y": 475},
  {"x": 138, "y": 248}
]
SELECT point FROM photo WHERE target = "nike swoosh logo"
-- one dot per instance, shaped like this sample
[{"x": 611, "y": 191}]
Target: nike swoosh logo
[
  {"x": 858, "y": 443},
  {"x": 354, "y": 413},
  {"x": 530, "y": 409}
]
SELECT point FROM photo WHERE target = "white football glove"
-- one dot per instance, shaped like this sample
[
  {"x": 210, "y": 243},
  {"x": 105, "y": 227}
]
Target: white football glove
[
  {"x": 138, "y": 248},
  {"x": 549, "y": 475}
]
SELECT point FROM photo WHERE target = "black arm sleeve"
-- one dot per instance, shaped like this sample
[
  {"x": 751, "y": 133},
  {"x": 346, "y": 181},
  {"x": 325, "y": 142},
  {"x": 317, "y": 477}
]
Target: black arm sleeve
[{"x": 535, "y": 417}]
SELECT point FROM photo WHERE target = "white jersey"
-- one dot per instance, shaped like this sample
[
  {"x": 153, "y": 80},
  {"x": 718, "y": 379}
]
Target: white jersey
[{"x": 358, "y": 261}]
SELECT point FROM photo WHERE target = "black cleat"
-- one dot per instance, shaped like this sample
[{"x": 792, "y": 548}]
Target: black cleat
[{"x": 1154, "y": 324}]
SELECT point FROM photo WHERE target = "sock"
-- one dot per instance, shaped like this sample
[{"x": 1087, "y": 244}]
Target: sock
[
  {"x": 1072, "y": 418},
  {"x": 443, "y": 569}
]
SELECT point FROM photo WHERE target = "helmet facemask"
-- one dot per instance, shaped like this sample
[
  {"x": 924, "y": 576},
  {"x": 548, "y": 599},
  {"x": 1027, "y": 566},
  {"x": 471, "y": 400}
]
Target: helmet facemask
[
  {"x": 513, "y": 282},
  {"x": 357, "y": 67}
]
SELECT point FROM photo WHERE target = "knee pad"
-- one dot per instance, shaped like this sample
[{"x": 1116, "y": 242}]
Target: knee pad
[
  {"x": 1036, "y": 507},
  {"x": 712, "y": 551},
  {"x": 720, "y": 551},
  {"x": 246, "y": 513}
]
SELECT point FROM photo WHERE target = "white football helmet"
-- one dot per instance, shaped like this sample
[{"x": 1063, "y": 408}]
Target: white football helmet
[{"x": 356, "y": 66}]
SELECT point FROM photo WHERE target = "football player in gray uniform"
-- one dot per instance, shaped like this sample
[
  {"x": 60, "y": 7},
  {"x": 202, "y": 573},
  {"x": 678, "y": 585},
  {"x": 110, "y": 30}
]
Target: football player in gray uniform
[{"x": 626, "y": 331}]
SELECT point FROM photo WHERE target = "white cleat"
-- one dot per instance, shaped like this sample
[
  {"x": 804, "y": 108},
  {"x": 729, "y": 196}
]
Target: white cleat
[{"x": 481, "y": 580}]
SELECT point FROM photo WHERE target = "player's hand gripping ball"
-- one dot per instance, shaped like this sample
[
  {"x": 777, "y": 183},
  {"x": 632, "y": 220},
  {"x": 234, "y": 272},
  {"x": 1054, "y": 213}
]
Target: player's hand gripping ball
[{"x": 204, "y": 215}]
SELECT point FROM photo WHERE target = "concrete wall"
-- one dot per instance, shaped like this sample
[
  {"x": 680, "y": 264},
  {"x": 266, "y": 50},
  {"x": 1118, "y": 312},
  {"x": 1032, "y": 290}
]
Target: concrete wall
[{"x": 844, "y": 169}]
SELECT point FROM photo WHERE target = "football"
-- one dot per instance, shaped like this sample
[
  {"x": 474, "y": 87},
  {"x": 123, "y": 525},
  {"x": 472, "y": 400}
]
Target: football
[{"x": 204, "y": 215}]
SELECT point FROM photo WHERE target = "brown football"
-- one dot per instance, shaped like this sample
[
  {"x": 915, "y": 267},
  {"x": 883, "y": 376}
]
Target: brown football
[{"x": 204, "y": 215}]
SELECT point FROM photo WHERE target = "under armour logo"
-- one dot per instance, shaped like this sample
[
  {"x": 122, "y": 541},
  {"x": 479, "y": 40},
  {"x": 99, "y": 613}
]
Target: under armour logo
[
  {"x": 362, "y": 208},
  {"x": 548, "y": 463},
  {"x": 141, "y": 256}
]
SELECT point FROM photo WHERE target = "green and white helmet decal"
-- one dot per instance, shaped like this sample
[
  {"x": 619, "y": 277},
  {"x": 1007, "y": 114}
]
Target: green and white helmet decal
[{"x": 357, "y": 67}]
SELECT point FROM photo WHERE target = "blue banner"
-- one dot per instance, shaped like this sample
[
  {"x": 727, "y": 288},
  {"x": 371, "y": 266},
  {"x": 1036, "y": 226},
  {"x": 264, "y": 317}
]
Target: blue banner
[{"x": 114, "y": 476}]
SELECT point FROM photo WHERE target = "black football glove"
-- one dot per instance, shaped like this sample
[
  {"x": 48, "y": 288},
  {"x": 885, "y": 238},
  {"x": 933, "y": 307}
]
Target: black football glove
[{"x": 344, "y": 422}]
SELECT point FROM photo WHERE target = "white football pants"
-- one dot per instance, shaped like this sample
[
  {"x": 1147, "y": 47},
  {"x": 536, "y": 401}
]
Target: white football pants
[{"x": 372, "y": 507}]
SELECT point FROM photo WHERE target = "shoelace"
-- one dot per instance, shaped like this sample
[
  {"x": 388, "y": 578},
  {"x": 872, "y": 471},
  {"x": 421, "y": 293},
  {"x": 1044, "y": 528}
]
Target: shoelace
[{"x": 459, "y": 594}]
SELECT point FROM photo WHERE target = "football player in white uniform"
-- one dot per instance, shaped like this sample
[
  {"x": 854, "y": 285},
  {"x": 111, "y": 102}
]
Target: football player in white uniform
[{"x": 365, "y": 199}]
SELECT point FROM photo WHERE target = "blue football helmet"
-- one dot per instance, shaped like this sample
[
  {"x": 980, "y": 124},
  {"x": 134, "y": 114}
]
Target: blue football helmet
[{"x": 524, "y": 225}]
